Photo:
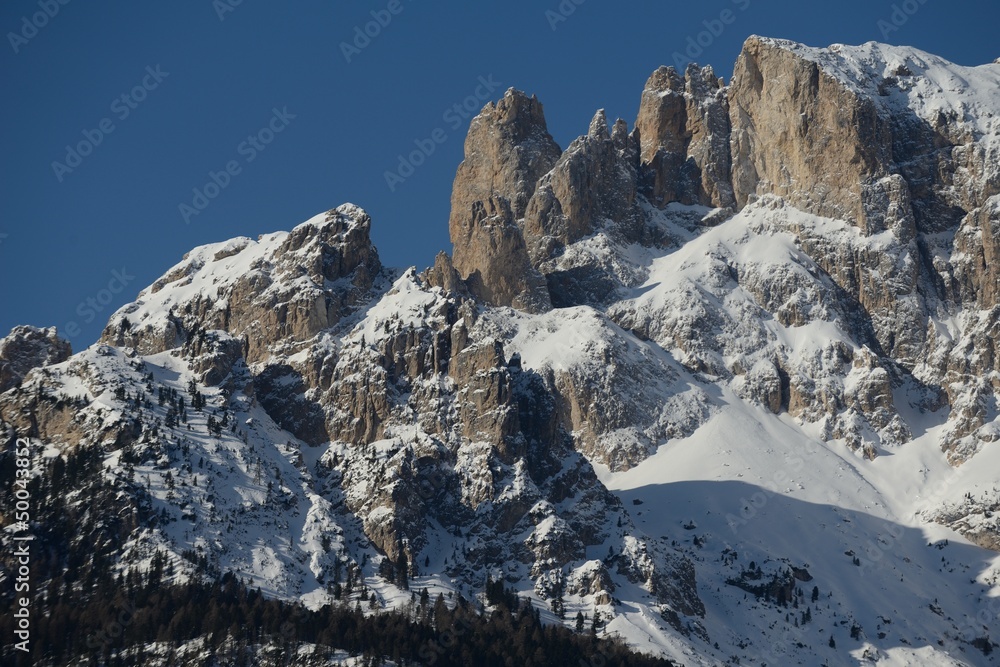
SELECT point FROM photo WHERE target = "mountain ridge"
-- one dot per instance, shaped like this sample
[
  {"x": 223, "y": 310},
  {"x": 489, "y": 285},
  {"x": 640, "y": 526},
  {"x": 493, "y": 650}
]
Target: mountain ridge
[{"x": 772, "y": 302}]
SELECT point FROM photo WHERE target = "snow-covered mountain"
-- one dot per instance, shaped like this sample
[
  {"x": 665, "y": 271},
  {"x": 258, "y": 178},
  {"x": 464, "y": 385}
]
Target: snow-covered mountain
[{"x": 726, "y": 383}]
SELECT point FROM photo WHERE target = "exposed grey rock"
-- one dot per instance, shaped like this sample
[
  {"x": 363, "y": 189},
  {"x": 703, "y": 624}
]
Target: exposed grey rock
[
  {"x": 26, "y": 348},
  {"x": 508, "y": 148},
  {"x": 284, "y": 297},
  {"x": 594, "y": 183},
  {"x": 503, "y": 273},
  {"x": 799, "y": 133},
  {"x": 683, "y": 127}
]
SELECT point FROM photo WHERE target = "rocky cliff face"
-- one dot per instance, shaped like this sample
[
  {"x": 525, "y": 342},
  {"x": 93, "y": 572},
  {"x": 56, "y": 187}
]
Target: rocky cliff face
[
  {"x": 26, "y": 348},
  {"x": 507, "y": 150},
  {"x": 434, "y": 444},
  {"x": 592, "y": 183},
  {"x": 801, "y": 134},
  {"x": 684, "y": 128},
  {"x": 726, "y": 313},
  {"x": 844, "y": 134},
  {"x": 280, "y": 290}
]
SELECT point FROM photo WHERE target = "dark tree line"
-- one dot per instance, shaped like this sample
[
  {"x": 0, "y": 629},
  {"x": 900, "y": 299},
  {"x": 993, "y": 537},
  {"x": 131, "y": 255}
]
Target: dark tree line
[
  {"x": 85, "y": 608},
  {"x": 121, "y": 615}
]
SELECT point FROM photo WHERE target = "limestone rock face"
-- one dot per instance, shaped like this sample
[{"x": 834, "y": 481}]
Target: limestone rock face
[
  {"x": 977, "y": 243},
  {"x": 26, "y": 348},
  {"x": 444, "y": 275},
  {"x": 867, "y": 135},
  {"x": 265, "y": 298},
  {"x": 683, "y": 127},
  {"x": 517, "y": 202},
  {"x": 503, "y": 273},
  {"x": 592, "y": 205},
  {"x": 267, "y": 293},
  {"x": 798, "y": 133},
  {"x": 592, "y": 193},
  {"x": 508, "y": 148},
  {"x": 594, "y": 181}
]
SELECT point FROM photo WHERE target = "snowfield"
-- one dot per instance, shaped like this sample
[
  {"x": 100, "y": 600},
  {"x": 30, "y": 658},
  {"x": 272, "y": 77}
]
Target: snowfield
[{"x": 752, "y": 448}]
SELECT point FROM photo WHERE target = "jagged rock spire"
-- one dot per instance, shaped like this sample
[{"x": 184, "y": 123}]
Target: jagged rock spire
[
  {"x": 683, "y": 125},
  {"x": 507, "y": 150}
]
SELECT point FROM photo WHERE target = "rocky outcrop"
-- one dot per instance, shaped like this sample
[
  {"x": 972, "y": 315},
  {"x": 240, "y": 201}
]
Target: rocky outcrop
[
  {"x": 799, "y": 133},
  {"x": 444, "y": 275},
  {"x": 591, "y": 193},
  {"x": 69, "y": 418},
  {"x": 26, "y": 348},
  {"x": 683, "y": 127},
  {"x": 508, "y": 148},
  {"x": 849, "y": 133},
  {"x": 593, "y": 183},
  {"x": 286, "y": 287},
  {"x": 837, "y": 133},
  {"x": 517, "y": 204},
  {"x": 977, "y": 244},
  {"x": 503, "y": 273},
  {"x": 434, "y": 421}
]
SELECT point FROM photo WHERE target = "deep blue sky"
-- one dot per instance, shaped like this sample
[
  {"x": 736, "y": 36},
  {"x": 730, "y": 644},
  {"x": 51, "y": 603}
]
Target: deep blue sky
[{"x": 118, "y": 209}]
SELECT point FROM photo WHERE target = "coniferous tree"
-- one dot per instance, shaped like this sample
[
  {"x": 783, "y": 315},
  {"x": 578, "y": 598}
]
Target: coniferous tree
[{"x": 403, "y": 571}]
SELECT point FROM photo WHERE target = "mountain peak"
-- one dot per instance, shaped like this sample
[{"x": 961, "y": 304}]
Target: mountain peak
[
  {"x": 599, "y": 126},
  {"x": 285, "y": 285},
  {"x": 668, "y": 377},
  {"x": 507, "y": 150}
]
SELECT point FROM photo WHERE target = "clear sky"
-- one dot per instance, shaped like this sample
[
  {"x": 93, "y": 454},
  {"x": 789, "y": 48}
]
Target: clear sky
[{"x": 307, "y": 112}]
